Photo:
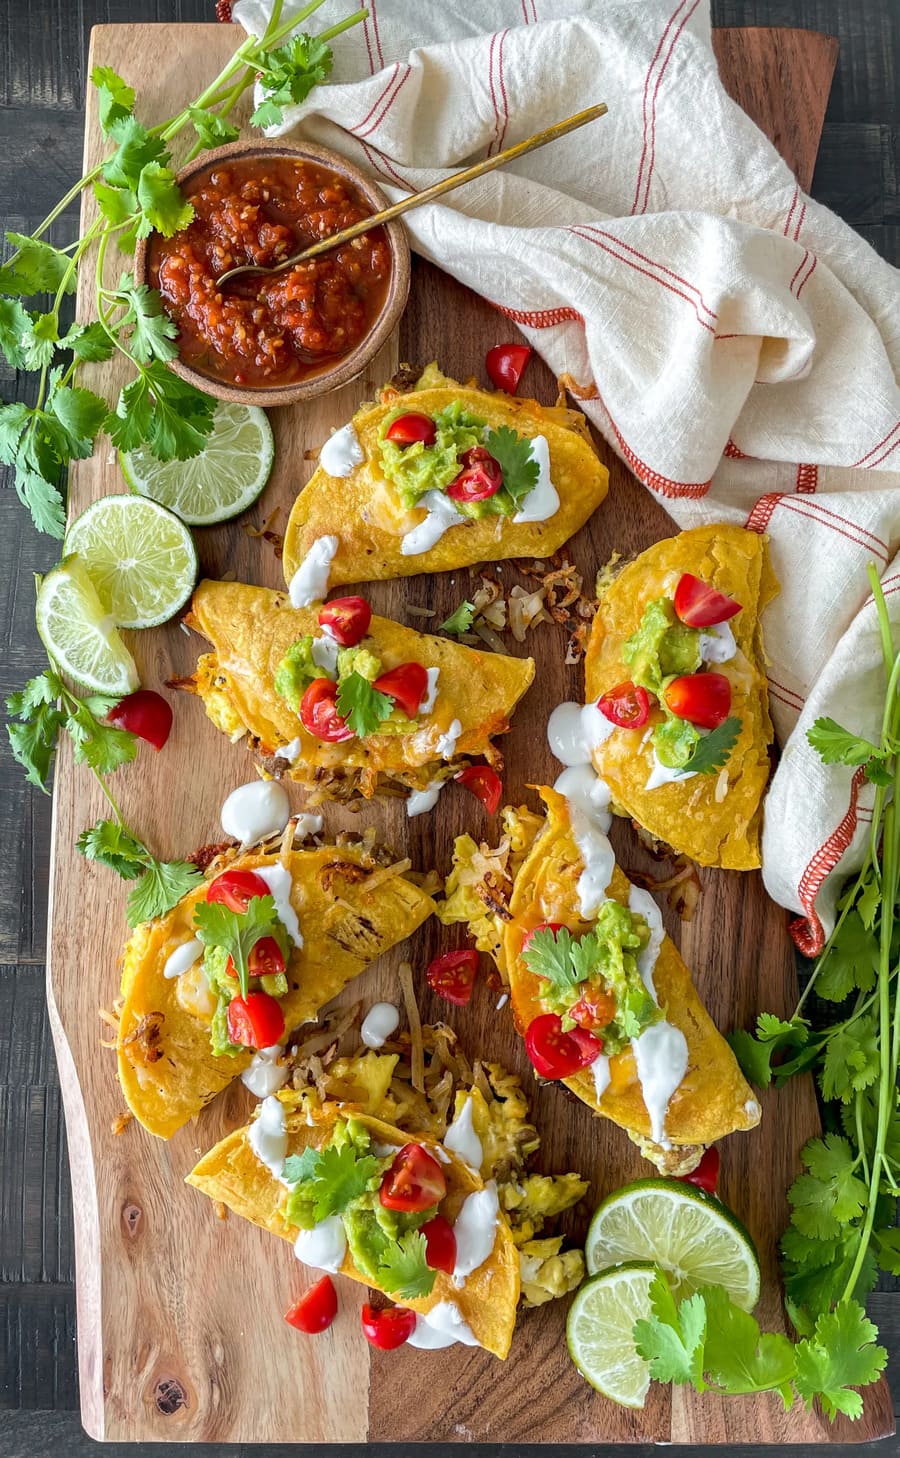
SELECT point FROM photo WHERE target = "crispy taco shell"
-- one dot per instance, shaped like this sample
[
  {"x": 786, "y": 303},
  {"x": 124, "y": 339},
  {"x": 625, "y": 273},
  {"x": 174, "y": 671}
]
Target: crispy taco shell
[
  {"x": 715, "y": 819},
  {"x": 167, "y": 1069},
  {"x": 231, "y": 1173}
]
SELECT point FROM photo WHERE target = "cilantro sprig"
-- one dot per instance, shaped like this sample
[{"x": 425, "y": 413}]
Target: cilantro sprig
[
  {"x": 513, "y": 452},
  {"x": 135, "y": 191},
  {"x": 363, "y": 706},
  {"x": 239, "y": 931},
  {"x": 460, "y": 620},
  {"x": 714, "y": 749}
]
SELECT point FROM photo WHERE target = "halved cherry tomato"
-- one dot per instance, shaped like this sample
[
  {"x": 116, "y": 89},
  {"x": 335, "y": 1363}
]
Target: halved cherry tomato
[
  {"x": 556, "y": 1054},
  {"x": 414, "y": 1182},
  {"x": 316, "y": 1309},
  {"x": 706, "y": 1175},
  {"x": 265, "y": 959},
  {"x": 440, "y": 1244},
  {"x": 406, "y": 684},
  {"x": 452, "y": 976},
  {"x": 595, "y": 1008},
  {"x": 346, "y": 619},
  {"x": 505, "y": 364},
  {"x": 408, "y": 429},
  {"x": 550, "y": 926},
  {"x": 627, "y": 705},
  {"x": 144, "y": 713},
  {"x": 388, "y": 1328},
  {"x": 319, "y": 714},
  {"x": 255, "y": 1021},
  {"x": 484, "y": 783},
  {"x": 699, "y": 605},
  {"x": 480, "y": 477},
  {"x": 701, "y": 698},
  {"x": 236, "y": 889}
]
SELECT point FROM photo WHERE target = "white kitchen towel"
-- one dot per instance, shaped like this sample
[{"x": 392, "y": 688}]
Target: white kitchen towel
[{"x": 740, "y": 341}]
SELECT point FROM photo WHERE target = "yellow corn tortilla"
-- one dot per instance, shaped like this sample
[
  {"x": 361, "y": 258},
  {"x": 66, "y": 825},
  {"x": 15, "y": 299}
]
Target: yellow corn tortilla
[
  {"x": 251, "y": 630},
  {"x": 713, "y": 1098},
  {"x": 167, "y": 1069},
  {"x": 232, "y": 1173},
  {"x": 364, "y": 511},
  {"x": 715, "y": 819}
]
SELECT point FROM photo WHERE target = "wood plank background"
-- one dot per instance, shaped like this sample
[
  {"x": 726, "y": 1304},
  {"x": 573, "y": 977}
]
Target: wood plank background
[{"x": 41, "y": 86}]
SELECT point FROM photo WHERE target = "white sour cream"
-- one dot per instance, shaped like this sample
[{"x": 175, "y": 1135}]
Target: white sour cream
[
  {"x": 442, "y": 515},
  {"x": 342, "y": 452},
  {"x": 307, "y": 825},
  {"x": 442, "y": 1326},
  {"x": 418, "y": 801},
  {"x": 542, "y": 501},
  {"x": 717, "y": 644},
  {"x": 310, "y": 582},
  {"x": 573, "y": 730},
  {"x": 446, "y": 745},
  {"x": 279, "y": 883},
  {"x": 268, "y": 1136},
  {"x": 291, "y": 751},
  {"x": 428, "y": 702},
  {"x": 661, "y": 774},
  {"x": 325, "y": 653},
  {"x": 661, "y": 1056},
  {"x": 323, "y": 1247},
  {"x": 254, "y": 811},
  {"x": 461, "y": 1138},
  {"x": 183, "y": 958},
  {"x": 642, "y": 904},
  {"x": 600, "y": 1069},
  {"x": 588, "y": 799},
  {"x": 475, "y": 1229},
  {"x": 380, "y": 1021},
  {"x": 266, "y": 1075}
]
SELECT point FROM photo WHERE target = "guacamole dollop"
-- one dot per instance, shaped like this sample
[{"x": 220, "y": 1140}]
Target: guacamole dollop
[
  {"x": 296, "y": 671},
  {"x": 417, "y": 468},
  {"x": 662, "y": 648}
]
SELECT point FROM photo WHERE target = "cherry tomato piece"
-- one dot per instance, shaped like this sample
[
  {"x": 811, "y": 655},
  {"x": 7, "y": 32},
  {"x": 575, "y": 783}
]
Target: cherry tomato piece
[
  {"x": 701, "y": 698},
  {"x": 407, "y": 685},
  {"x": 557, "y": 1054},
  {"x": 485, "y": 784},
  {"x": 701, "y": 606},
  {"x": 236, "y": 889},
  {"x": 594, "y": 1009},
  {"x": 440, "y": 1244},
  {"x": 414, "y": 1182},
  {"x": 319, "y": 713},
  {"x": 316, "y": 1309},
  {"x": 265, "y": 958},
  {"x": 346, "y": 620},
  {"x": 505, "y": 364},
  {"x": 388, "y": 1328},
  {"x": 255, "y": 1021},
  {"x": 144, "y": 713},
  {"x": 627, "y": 705},
  {"x": 706, "y": 1175},
  {"x": 412, "y": 428},
  {"x": 452, "y": 976},
  {"x": 480, "y": 477},
  {"x": 550, "y": 926}
]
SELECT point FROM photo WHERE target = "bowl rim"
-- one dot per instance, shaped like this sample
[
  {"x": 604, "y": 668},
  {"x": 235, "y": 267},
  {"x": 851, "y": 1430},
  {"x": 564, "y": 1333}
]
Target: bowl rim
[{"x": 395, "y": 301}]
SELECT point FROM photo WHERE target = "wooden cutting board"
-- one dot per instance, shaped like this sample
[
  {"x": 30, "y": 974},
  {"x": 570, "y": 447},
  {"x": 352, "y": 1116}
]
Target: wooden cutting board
[{"x": 180, "y": 1330}]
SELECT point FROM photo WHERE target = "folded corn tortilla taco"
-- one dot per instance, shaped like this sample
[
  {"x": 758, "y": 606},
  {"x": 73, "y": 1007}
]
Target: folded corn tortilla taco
[
  {"x": 676, "y": 659},
  {"x": 438, "y": 477},
  {"x": 190, "y": 1020},
  {"x": 649, "y": 1056},
  {"x": 415, "y": 707}
]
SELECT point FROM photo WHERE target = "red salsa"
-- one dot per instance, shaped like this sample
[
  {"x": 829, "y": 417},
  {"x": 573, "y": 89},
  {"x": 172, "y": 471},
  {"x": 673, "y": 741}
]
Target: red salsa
[{"x": 262, "y": 331}]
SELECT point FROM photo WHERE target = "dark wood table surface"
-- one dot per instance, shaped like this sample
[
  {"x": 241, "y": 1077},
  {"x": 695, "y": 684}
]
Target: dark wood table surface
[{"x": 42, "y": 80}]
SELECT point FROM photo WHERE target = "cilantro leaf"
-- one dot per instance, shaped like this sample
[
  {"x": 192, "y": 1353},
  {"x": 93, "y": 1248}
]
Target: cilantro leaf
[
  {"x": 363, "y": 707},
  {"x": 714, "y": 749},
  {"x": 134, "y": 150},
  {"x": 42, "y": 499},
  {"x": 13, "y": 419},
  {"x": 563, "y": 961},
  {"x": 239, "y": 931},
  {"x": 81, "y": 414},
  {"x": 163, "y": 205},
  {"x": 39, "y": 341},
  {"x": 513, "y": 452},
  {"x": 840, "y": 1355},
  {"x": 341, "y": 1175},
  {"x": 267, "y": 114},
  {"x": 835, "y": 745},
  {"x": 402, "y": 1268},
  {"x": 830, "y": 1195},
  {"x": 169, "y": 414},
  {"x": 460, "y": 620},
  {"x": 151, "y": 329},
  {"x": 672, "y": 1340},
  {"x": 773, "y": 1035},
  {"x": 851, "y": 1060},
  {"x": 289, "y": 74},
  {"x": 739, "y": 1357},
  {"x": 33, "y": 740},
  {"x": 116, "y": 99},
  {"x": 35, "y": 268},
  {"x": 160, "y": 888},
  {"x": 212, "y": 130},
  {"x": 117, "y": 204},
  {"x": 15, "y": 323},
  {"x": 88, "y": 342},
  {"x": 851, "y": 961},
  {"x": 111, "y": 845},
  {"x": 887, "y": 1250},
  {"x": 299, "y": 1167},
  {"x": 102, "y": 746}
]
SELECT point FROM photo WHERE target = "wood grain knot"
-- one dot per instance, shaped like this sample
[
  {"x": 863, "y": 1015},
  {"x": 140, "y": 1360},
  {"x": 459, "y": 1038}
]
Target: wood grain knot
[
  {"x": 169, "y": 1396},
  {"x": 132, "y": 1219}
]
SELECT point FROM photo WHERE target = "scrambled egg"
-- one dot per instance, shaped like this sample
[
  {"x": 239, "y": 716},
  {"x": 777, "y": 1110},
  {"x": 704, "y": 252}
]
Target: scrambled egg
[
  {"x": 479, "y": 886},
  {"x": 547, "y": 1271}
]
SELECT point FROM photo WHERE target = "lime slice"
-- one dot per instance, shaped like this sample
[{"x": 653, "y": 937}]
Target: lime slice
[
  {"x": 140, "y": 557},
  {"x": 690, "y": 1234},
  {"x": 79, "y": 633},
  {"x": 227, "y": 476},
  {"x": 600, "y": 1327}
]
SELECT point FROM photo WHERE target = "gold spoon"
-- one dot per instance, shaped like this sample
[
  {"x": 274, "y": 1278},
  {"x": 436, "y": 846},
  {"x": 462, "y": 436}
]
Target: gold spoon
[{"x": 416, "y": 199}]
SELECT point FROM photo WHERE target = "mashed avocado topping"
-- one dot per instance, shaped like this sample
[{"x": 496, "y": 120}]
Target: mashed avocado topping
[
  {"x": 296, "y": 671},
  {"x": 229, "y": 938},
  {"x": 593, "y": 981},
  {"x": 660, "y": 649}
]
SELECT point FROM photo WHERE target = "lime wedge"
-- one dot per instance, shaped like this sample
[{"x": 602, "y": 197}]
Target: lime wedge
[
  {"x": 222, "y": 481},
  {"x": 687, "y": 1232},
  {"x": 140, "y": 558},
  {"x": 600, "y": 1328},
  {"x": 79, "y": 634}
]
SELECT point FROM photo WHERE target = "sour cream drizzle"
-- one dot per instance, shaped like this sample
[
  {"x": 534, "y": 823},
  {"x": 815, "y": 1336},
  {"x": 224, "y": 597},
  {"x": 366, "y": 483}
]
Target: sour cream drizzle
[
  {"x": 475, "y": 1229},
  {"x": 342, "y": 452},
  {"x": 323, "y": 1247},
  {"x": 717, "y": 644},
  {"x": 542, "y": 501},
  {"x": 183, "y": 958},
  {"x": 446, "y": 745},
  {"x": 279, "y": 883},
  {"x": 310, "y": 582},
  {"x": 251, "y": 812},
  {"x": 325, "y": 653},
  {"x": 428, "y": 702},
  {"x": 380, "y": 1021},
  {"x": 265, "y": 1075},
  {"x": 268, "y": 1136},
  {"x": 418, "y": 801},
  {"x": 461, "y": 1138},
  {"x": 442, "y": 1326},
  {"x": 661, "y": 1055},
  {"x": 442, "y": 515},
  {"x": 662, "y": 774}
]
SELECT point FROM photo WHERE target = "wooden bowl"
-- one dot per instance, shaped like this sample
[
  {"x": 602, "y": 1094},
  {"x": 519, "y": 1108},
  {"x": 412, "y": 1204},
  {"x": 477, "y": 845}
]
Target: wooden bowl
[{"x": 352, "y": 364}]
